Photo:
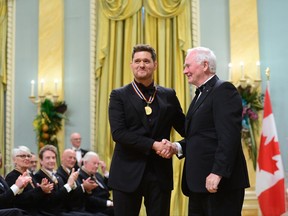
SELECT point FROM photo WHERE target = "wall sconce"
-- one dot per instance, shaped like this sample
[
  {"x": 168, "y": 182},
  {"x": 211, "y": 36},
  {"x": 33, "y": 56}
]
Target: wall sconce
[
  {"x": 244, "y": 82},
  {"x": 42, "y": 96}
]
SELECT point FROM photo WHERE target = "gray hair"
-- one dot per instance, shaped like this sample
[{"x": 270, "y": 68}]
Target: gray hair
[
  {"x": 19, "y": 149},
  {"x": 89, "y": 155},
  {"x": 204, "y": 54}
]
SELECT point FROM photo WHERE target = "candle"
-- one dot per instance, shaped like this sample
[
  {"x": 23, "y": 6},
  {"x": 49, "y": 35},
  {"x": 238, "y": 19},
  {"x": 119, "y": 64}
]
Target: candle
[
  {"x": 242, "y": 70},
  {"x": 42, "y": 87},
  {"x": 32, "y": 88},
  {"x": 230, "y": 71},
  {"x": 55, "y": 86},
  {"x": 267, "y": 72},
  {"x": 258, "y": 70}
]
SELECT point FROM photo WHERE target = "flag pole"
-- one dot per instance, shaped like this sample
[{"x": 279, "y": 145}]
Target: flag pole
[{"x": 267, "y": 72}]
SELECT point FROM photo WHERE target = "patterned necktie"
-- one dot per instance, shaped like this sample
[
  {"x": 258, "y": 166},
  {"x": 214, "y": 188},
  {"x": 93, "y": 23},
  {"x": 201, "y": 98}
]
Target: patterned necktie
[{"x": 96, "y": 180}]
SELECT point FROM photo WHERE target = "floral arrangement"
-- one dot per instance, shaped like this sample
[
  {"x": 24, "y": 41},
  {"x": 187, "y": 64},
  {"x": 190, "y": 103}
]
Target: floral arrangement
[
  {"x": 49, "y": 122},
  {"x": 252, "y": 102}
]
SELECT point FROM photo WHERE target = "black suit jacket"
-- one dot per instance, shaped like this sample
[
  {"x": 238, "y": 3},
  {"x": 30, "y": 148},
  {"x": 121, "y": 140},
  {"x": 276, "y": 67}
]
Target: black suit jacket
[
  {"x": 6, "y": 195},
  {"x": 53, "y": 204},
  {"x": 97, "y": 200},
  {"x": 134, "y": 138},
  {"x": 76, "y": 199},
  {"x": 31, "y": 195},
  {"x": 213, "y": 139}
]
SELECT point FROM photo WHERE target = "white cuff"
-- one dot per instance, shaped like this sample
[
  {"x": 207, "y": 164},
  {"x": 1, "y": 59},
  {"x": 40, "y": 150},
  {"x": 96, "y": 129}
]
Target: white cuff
[
  {"x": 68, "y": 188},
  {"x": 109, "y": 203},
  {"x": 15, "y": 189},
  {"x": 179, "y": 149}
]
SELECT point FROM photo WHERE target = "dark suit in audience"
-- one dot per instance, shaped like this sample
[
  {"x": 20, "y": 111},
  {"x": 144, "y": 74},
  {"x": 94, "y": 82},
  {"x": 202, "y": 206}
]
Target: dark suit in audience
[
  {"x": 31, "y": 195},
  {"x": 75, "y": 202},
  {"x": 53, "y": 204},
  {"x": 6, "y": 195},
  {"x": 97, "y": 201},
  {"x": 7, "y": 199}
]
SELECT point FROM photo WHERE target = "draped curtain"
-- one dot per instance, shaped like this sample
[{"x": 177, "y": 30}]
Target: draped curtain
[
  {"x": 3, "y": 34},
  {"x": 121, "y": 24}
]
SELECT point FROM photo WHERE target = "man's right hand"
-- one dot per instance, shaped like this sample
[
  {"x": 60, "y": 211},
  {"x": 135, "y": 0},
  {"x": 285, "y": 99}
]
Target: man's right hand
[
  {"x": 165, "y": 148},
  {"x": 89, "y": 184}
]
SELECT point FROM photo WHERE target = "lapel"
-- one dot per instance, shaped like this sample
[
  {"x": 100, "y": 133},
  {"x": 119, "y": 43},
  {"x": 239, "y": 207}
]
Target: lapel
[
  {"x": 50, "y": 178},
  {"x": 100, "y": 179},
  {"x": 208, "y": 89},
  {"x": 162, "y": 103},
  {"x": 196, "y": 103},
  {"x": 84, "y": 175},
  {"x": 3, "y": 184}
]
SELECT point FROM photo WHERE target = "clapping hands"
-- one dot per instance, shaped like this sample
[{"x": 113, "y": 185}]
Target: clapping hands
[{"x": 165, "y": 148}]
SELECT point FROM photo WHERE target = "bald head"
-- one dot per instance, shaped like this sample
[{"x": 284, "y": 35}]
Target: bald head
[{"x": 68, "y": 158}]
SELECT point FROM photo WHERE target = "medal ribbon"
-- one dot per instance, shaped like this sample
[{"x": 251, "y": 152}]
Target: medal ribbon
[{"x": 140, "y": 94}]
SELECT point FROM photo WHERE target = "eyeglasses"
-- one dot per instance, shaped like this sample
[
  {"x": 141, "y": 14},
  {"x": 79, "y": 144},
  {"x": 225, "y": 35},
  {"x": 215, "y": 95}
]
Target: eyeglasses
[
  {"x": 24, "y": 156},
  {"x": 77, "y": 138}
]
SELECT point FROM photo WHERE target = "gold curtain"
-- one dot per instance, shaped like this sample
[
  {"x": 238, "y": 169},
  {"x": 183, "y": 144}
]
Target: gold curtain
[
  {"x": 166, "y": 25},
  {"x": 3, "y": 36}
]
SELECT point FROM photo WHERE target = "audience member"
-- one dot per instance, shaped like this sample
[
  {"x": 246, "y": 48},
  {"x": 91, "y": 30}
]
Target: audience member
[
  {"x": 75, "y": 140},
  {"x": 99, "y": 200},
  {"x": 54, "y": 203},
  {"x": 75, "y": 202},
  {"x": 33, "y": 162},
  {"x": 8, "y": 194},
  {"x": 32, "y": 194}
]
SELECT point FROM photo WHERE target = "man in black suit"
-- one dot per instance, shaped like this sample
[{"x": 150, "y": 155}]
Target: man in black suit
[
  {"x": 99, "y": 200},
  {"x": 54, "y": 203},
  {"x": 215, "y": 174},
  {"x": 141, "y": 114},
  {"x": 75, "y": 202},
  {"x": 75, "y": 139}
]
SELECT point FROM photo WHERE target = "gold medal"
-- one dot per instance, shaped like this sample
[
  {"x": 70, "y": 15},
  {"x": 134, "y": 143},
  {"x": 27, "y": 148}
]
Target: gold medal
[{"x": 148, "y": 110}]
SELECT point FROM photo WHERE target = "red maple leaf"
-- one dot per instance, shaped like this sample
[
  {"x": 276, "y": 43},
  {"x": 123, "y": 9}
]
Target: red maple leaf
[{"x": 266, "y": 154}]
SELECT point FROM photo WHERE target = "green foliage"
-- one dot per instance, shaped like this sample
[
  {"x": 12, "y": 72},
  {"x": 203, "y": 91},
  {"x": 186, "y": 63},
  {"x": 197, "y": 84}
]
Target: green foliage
[{"x": 49, "y": 122}]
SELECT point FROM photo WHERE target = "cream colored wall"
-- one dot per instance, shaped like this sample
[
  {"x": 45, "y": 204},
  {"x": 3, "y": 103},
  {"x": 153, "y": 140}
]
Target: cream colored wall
[{"x": 51, "y": 52}]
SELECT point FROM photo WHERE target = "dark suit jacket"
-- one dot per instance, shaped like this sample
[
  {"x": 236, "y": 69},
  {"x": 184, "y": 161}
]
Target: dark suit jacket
[
  {"x": 213, "y": 139},
  {"x": 134, "y": 138},
  {"x": 53, "y": 204},
  {"x": 6, "y": 195},
  {"x": 76, "y": 199},
  {"x": 97, "y": 200},
  {"x": 31, "y": 195}
]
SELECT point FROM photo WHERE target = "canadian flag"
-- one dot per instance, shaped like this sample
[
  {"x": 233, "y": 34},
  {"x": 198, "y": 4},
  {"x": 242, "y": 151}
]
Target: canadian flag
[{"x": 270, "y": 184}]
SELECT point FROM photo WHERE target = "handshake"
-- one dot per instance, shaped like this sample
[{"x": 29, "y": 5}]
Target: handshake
[{"x": 165, "y": 148}]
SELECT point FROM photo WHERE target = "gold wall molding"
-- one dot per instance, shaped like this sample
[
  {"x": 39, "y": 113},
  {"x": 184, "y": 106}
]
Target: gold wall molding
[
  {"x": 10, "y": 97},
  {"x": 195, "y": 20},
  {"x": 93, "y": 84}
]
